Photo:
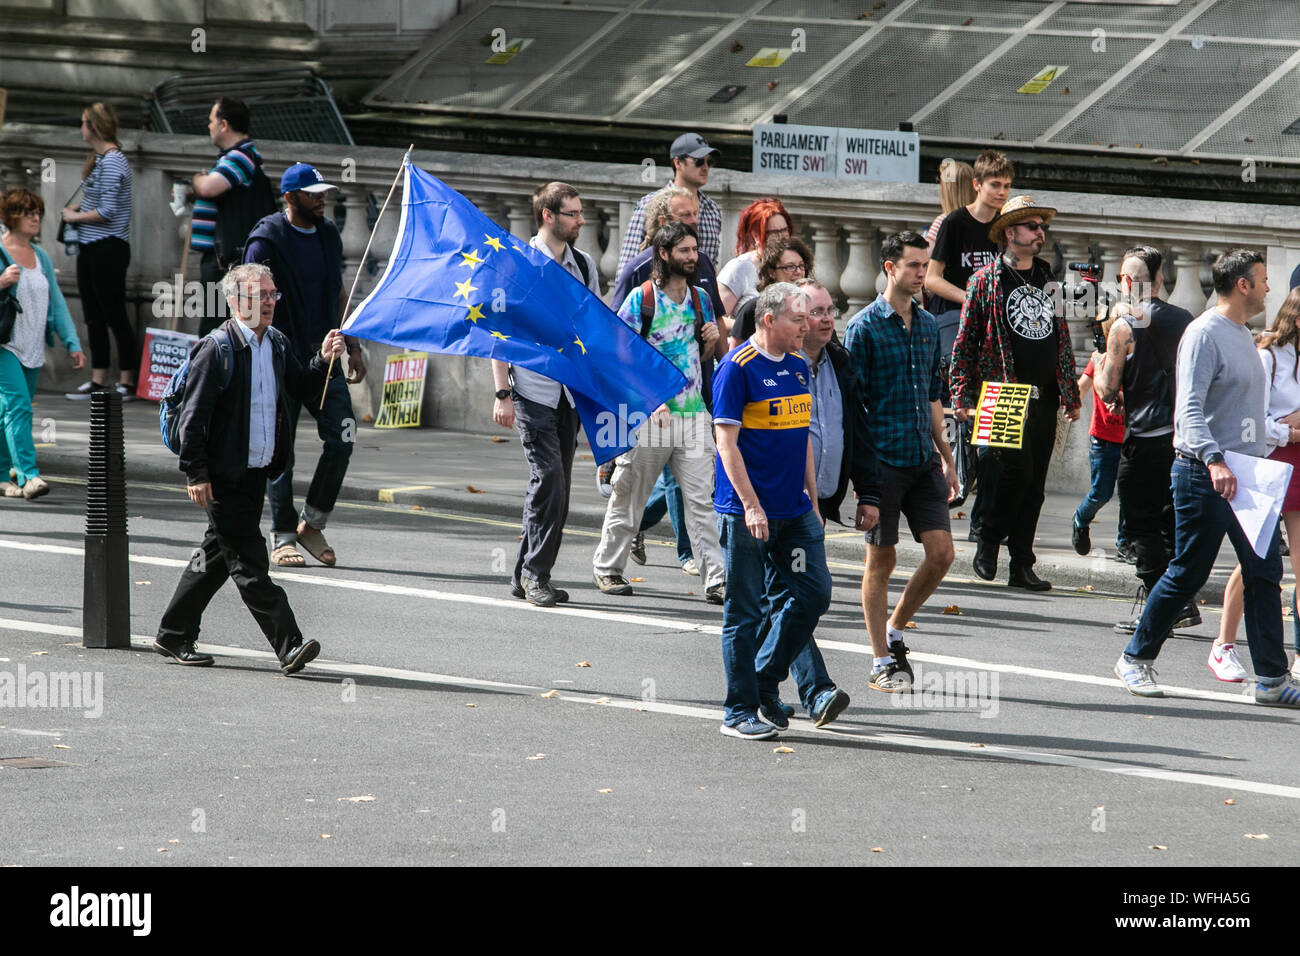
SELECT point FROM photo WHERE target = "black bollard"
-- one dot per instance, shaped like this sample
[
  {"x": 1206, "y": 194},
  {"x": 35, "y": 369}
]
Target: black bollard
[{"x": 106, "y": 607}]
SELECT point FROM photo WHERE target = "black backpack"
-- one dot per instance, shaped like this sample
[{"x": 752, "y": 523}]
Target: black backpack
[{"x": 239, "y": 209}]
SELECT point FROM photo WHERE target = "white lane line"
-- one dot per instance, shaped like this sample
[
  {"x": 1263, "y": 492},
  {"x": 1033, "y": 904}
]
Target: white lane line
[
  {"x": 937, "y": 744},
  {"x": 655, "y": 622}
]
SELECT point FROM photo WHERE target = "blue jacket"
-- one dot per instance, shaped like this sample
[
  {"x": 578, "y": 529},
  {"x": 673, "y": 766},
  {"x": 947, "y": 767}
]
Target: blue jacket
[
  {"x": 58, "y": 320},
  {"x": 275, "y": 231}
]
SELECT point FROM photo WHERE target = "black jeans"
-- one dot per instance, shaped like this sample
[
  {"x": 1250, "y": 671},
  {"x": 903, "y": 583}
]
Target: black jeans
[
  {"x": 549, "y": 437},
  {"x": 1147, "y": 500},
  {"x": 1018, "y": 493},
  {"x": 233, "y": 547},
  {"x": 101, "y": 283}
]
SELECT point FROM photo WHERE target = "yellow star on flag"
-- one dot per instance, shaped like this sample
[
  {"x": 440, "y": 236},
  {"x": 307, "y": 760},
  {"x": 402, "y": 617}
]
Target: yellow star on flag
[
  {"x": 464, "y": 288},
  {"x": 578, "y": 343},
  {"x": 471, "y": 258},
  {"x": 475, "y": 313},
  {"x": 498, "y": 335},
  {"x": 494, "y": 242}
]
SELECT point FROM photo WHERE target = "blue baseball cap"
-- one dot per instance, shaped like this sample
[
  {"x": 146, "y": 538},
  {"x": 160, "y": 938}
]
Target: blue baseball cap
[{"x": 300, "y": 176}]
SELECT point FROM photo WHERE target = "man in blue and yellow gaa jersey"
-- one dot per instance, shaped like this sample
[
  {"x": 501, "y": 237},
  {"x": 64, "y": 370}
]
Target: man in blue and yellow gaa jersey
[{"x": 766, "y": 495}]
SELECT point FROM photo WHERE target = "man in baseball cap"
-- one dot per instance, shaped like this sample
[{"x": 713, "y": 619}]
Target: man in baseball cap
[{"x": 303, "y": 248}]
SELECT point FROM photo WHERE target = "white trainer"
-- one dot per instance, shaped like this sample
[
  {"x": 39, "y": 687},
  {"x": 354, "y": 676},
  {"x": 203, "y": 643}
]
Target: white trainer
[
  {"x": 1139, "y": 677},
  {"x": 1226, "y": 664}
]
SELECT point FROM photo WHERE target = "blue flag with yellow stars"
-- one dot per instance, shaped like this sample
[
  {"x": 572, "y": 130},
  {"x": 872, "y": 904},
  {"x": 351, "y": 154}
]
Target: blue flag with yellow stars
[{"x": 459, "y": 284}]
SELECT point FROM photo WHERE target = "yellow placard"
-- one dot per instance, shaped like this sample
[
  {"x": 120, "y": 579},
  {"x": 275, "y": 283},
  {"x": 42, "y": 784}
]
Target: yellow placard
[
  {"x": 403, "y": 390},
  {"x": 512, "y": 50},
  {"x": 770, "y": 56},
  {"x": 1000, "y": 415},
  {"x": 1042, "y": 79}
]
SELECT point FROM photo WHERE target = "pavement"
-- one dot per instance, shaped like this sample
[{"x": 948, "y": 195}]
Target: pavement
[{"x": 457, "y": 472}]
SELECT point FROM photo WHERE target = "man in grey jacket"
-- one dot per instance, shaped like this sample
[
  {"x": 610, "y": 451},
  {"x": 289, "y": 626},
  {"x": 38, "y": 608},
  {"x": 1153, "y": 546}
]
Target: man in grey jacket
[{"x": 1219, "y": 406}]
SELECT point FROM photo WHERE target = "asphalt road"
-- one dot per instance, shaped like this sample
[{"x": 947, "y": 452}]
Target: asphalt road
[{"x": 426, "y": 732}]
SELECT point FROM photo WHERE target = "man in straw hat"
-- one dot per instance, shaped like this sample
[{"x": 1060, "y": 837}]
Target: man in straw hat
[{"x": 1012, "y": 330}]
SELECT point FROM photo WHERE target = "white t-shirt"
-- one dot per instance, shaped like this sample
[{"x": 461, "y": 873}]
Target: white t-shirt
[
  {"x": 740, "y": 275},
  {"x": 28, "y": 339}
]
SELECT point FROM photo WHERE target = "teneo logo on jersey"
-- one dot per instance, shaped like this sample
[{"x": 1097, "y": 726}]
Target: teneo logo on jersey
[
  {"x": 792, "y": 411},
  {"x": 1000, "y": 415}
]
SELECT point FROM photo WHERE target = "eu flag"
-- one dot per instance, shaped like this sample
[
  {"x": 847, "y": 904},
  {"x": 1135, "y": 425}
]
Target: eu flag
[{"x": 459, "y": 284}]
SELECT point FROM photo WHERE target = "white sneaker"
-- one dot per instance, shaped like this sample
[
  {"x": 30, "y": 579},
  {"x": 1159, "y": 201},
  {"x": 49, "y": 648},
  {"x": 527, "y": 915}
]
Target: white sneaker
[
  {"x": 1295, "y": 668},
  {"x": 1226, "y": 664},
  {"x": 1286, "y": 693},
  {"x": 1139, "y": 677},
  {"x": 690, "y": 567}
]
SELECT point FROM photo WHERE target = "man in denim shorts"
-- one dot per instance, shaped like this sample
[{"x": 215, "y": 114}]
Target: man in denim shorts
[{"x": 894, "y": 345}]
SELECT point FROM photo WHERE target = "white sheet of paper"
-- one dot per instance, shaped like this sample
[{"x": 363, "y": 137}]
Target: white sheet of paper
[{"x": 1261, "y": 487}]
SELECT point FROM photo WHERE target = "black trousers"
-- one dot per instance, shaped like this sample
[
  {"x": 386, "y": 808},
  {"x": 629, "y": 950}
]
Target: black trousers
[
  {"x": 1147, "y": 497},
  {"x": 549, "y": 437},
  {"x": 101, "y": 283},
  {"x": 233, "y": 547},
  {"x": 1021, "y": 485}
]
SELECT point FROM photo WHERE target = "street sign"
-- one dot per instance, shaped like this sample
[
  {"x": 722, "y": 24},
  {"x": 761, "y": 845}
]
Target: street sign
[{"x": 830, "y": 152}]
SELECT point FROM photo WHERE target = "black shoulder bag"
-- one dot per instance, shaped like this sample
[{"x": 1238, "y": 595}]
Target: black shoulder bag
[{"x": 9, "y": 307}]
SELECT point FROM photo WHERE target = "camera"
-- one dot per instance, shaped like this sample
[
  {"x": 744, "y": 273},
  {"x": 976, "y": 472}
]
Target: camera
[{"x": 1089, "y": 296}]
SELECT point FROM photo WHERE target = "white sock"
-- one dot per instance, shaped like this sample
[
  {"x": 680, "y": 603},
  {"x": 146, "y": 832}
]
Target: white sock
[
  {"x": 881, "y": 662},
  {"x": 893, "y": 634}
]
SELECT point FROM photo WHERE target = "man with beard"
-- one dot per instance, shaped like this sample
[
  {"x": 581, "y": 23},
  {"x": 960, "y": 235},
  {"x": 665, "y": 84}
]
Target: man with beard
[
  {"x": 305, "y": 254},
  {"x": 676, "y": 317},
  {"x": 542, "y": 410},
  {"x": 1011, "y": 332}
]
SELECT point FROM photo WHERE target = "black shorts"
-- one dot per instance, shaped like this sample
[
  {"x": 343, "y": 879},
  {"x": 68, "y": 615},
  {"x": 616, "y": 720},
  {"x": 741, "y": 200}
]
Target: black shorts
[{"x": 920, "y": 493}]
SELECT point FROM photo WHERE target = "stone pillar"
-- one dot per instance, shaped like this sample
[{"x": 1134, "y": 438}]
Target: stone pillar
[
  {"x": 356, "y": 231},
  {"x": 519, "y": 213},
  {"x": 1187, "y": 292},
  {"x": 589, "y": 237},
  {"x": 614, "y": 228},
  {"x": 826, "y": 264},
  {"x": 858, "y": 279}
]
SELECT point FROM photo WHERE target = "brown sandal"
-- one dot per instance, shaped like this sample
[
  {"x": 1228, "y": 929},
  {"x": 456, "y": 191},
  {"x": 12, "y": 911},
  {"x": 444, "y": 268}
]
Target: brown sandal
[
  {"x": 314, "y": 543},
  {"x": 287, "y": 556}
]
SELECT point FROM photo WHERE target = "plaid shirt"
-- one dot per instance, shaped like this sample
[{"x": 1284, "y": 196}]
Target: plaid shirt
[
  {"x": 708, "y": 229},
  {"x": 898, "y": 378}
]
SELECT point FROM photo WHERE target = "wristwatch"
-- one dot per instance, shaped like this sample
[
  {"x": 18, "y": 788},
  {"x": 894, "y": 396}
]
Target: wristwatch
[
  {"x": 502, "y": 394},
  {"x": 1214, "y": 458}
]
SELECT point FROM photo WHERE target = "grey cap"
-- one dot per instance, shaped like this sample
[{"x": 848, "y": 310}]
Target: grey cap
[{"x": 691, "y": 144}]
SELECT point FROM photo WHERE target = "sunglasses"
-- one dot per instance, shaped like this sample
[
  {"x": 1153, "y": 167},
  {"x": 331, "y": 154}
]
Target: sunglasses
[
  {"x": 701, "y": 161},
  {"x": 1035, "y": 226}
]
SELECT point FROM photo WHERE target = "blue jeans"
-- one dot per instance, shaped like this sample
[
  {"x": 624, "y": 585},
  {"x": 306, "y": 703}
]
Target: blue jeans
[
  {"x": 794, "y": 559},
  {"x": 666, "y": 498},
  {"x": 808, "y": 667},
  {"x": 337, "y": 429},
  {"x": 1103, "y": 463},
  {"x": 1201, "y": 519}
]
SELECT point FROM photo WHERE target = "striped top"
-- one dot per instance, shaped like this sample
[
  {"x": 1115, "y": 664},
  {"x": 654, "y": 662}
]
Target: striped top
[
  {"x": 236, "y": 166},
  {"x": 107, "y": 190}
]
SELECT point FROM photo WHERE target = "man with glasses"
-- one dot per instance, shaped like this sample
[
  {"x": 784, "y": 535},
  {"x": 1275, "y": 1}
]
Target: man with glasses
[
  {"x": 894, "y": 345},
  {"x": 234, "y": 436},
  {"x": 305, "y": 253},
  {"x": 691, "y": 157},
  {"x": 840, "y": 450},
  {"x": 542, "y": 411},
  {"x": 1011, "y": 332}
]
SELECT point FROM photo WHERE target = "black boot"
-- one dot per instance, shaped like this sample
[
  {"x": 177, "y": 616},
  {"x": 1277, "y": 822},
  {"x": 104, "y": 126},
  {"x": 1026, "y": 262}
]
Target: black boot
[
  {"x": 1023, "y": 576},
  {"x": 985, "y": 561}
]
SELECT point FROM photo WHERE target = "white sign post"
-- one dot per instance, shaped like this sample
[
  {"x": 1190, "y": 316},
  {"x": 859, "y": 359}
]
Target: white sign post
[{"x": 802, "y": 150}]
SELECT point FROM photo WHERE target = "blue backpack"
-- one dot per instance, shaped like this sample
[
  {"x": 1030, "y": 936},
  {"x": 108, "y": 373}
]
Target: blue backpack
[{"x": 173, "y": 396}]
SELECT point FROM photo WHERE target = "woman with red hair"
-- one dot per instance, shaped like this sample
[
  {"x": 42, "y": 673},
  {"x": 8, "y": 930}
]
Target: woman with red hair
[{"x": 761, "y": 220}]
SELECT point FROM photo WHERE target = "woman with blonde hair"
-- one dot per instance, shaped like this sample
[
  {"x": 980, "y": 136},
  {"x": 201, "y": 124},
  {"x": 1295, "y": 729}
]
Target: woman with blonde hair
[
  {"x": 103, "y": 222},
  {"x": 956, "y": 189},
  {"x": 27, "y": 275},
  {"x": 1277, "y": 350}
]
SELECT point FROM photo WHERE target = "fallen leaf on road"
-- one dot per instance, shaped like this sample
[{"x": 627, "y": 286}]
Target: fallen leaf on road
[
  {"x": 639, "y": 710},
  {"x": 601, "y": 700},
  {"x": 977, "y": 745},
  {"x": 325, "y": 836},
  {"x": 498, "y": 439},
  {"x": 605, "y": 791},
  {"x": 364, "y": 798},
  {"x": 1255, "y": 836},
  {"x": 40, "y": 653},
  {"x": 582, "y": 664},
  {"x": 783, "y": 750},
  {"x": 1156, "y": 846},
  {"x": 62, "y": 747},
  {"x": 173, "y": 841},
  {"x": 1089, "y": 588},
  {"x": 162, "y": 849},
  {"x": 144, "y": 582},
  {"x": 417, "y": 507},
  {"x": 471, "y": 705},
  {"x": 1229, "y": 802},
  {"x": 537, "y": 757},
  {"x": 877, "y": 849},
  {"x": 952, "y": 609},
  {"x": 550, "y": 693},
  {"x": 474, "y": 491},
  {"x": 910, "y": 625},
  {"x": 636, "y": 579}
]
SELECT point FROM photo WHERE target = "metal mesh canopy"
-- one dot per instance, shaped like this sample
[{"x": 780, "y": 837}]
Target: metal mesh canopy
[
  {"x": 1204, "y": 78},
  {"x": 285, "y": 104}
]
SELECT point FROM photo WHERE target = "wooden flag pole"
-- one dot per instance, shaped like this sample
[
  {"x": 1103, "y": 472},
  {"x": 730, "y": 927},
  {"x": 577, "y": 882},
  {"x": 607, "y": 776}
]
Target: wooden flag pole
[{"x": 362, "y": 264}]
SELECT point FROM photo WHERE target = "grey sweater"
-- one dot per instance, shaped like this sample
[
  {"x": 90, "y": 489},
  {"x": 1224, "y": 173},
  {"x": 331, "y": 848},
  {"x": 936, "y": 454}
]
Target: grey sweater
[{"x": 1221, "y": 392}]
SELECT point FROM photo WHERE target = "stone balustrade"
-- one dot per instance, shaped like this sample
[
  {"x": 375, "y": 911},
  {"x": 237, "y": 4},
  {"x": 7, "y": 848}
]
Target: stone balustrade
[{"x": 844, "y": 224}]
